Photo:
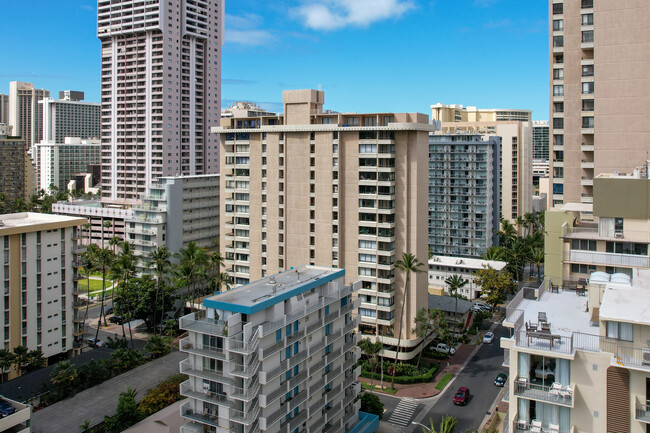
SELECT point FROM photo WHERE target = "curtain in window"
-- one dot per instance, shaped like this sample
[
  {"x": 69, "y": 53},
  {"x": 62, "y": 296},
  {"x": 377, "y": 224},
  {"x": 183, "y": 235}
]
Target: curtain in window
[
  {"x": 547, "y": 413},
  {"x": 606, "y": 227},
  {"x": 612, "y": 330},
  {"x": 563, "y": 372},
  {"x": 524, "y": 410},
  {"x": 524, "y": 365},
  {"x": 626, "y": 332},
  {"x": 565, "y": 419}
]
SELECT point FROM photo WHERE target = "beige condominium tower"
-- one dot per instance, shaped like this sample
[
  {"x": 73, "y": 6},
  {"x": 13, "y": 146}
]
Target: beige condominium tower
[
  {"x": 161, "y": 75},
  {"x": 345, "y": 190},
  {"x": 599, "y": 97},
  {"x": 516, "y": 131}
]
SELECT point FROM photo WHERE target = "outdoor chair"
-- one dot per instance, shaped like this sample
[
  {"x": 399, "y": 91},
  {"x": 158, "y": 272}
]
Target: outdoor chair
[
  {"x": 556, "y": 387},
  {"x": 566, "y": 392},
  {"x": 553, "y": 428},
  {"x": 536, "y": 426},
  {"x": 541, "y": 316}
]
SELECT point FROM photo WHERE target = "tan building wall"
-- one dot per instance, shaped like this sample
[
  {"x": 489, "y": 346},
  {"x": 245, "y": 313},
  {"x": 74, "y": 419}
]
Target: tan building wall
[
  {"x": 296, "y": 200},
  {"x": 618, "y": 55}
]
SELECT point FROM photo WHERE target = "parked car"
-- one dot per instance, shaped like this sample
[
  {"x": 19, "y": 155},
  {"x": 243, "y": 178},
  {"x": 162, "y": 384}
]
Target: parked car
[
  {"x": 109, "y": 309},
  {"x": 116, "y": 319},
  {"x": 443, "y": 348},
  {"x": 95, "y": 342},
  {"x": 488, "y": 337},
  {"x": 500, "y": 380},
  {"x": 462, "y": 396},
  {"x": 477, "y": 306},
  {"x": 6, "y": 408}
]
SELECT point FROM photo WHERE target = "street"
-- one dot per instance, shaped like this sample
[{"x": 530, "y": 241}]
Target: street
[
  {"x": 113, "y": 331},
  {"x": 478, "y": 376}
]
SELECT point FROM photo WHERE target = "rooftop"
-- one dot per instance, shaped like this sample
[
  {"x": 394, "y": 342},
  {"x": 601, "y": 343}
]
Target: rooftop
[
  {"x": 448, "y": 304},
  {"x": 268, "y": 291},
  {"x": 35, "y": 221},
  {"x": 466, "y": 263},
  {"x": 628, "y": 303}
]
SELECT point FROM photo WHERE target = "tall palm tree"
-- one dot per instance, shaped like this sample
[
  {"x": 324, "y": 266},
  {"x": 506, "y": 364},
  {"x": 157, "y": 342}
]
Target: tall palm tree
[
  {"x": 6, "y": 361},
  {"x": 103, "y": 259},
  {"x": 371, "y": 350},
  {"x": 495, "y": 252},
  {"x": 531, "y": 221},
  {"x": 191, "y": 268},
  {"x": 106, "y": 224},
  {"x": 537, "y": 257},
  {"x": 161, "y": 265},
  {"x": 407, "y": 264},
  {"x": 521, "y": 224},
  {"x": 125, "y": 268},
  {"x": 507, "y": 233},
  {"x": 115, "y": 242},
  {"x": 89, "y": 265},
  {"x": 454, "y": 283}
]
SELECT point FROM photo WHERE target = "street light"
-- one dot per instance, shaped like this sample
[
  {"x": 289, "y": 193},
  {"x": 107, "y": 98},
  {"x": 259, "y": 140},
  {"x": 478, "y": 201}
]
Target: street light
[{"x": 422, "y": 425}]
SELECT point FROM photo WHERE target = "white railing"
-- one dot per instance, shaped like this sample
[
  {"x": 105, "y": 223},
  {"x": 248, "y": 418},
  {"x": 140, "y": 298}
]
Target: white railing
[{"x": 609, "y": 259}]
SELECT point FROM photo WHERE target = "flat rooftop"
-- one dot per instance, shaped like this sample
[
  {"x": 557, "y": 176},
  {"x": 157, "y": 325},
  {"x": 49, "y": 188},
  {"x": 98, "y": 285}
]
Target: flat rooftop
[
  {"x": 462, "y": 262},
  {"x": 261, "y": 294},
  {"x": 35, "y": 221},
  {"x": 629, "y": 303}
]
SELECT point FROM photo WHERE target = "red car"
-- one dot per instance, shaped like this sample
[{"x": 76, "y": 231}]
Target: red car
[{"x": 462, "y": 396}]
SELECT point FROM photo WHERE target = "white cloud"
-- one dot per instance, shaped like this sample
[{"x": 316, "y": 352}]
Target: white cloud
[
  {"x": 244, "y": 30},
  {"x": 334, "y": 14}
]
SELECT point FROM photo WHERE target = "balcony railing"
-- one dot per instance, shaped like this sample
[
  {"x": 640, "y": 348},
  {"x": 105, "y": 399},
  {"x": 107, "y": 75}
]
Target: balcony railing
[
  {"x": 210, "y": 351},
  {"x": 207, "y": 396},
  {"x": 642, "y": 412},
  {"x": 198, "y": 323},
  {"x": 609, "y": 259},
  {"x": 204, "y": 418},
  {"x": 561, "y": 396}
]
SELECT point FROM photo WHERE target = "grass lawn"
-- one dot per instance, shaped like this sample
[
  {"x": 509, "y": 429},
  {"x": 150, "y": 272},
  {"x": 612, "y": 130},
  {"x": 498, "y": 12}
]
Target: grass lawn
[
  {"x": 95, "y": 285},
  {"x": 365, "y": 385},
  {"x": 444, "y": 381}
]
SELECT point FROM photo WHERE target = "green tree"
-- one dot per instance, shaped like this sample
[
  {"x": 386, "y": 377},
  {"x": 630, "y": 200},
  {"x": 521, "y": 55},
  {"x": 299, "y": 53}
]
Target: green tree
[
  {"x": 103, "y": 259},
  {"x": 21, "y": 358},
  {"x": 507, "y": 234},
  {"x": 126, "y": 415},
  {"x": 159, "y": 261},
  {"x": 537, "y": 258},
  {"x": 64, "y": 375},
  {"x": 6, "y": 361},
  {"x": 124, "y": 268},
  {"x": 35, "y": 359},
  {"x": 191, "y": 269},
  {"x": 495, "y": 285},
  {"x": 371, "y": 349},
  {"x": 370, "y": 403},
  {"x": 495, "y": 252},
  {"x": 454, "y": 283},
  {"x": 407, "y": 264},
  {"x": 157, "y": 347},
  {"x": 517, "y": 255},
  {"x": 447, "y": 425},
  {"x": 126, "y": 359},
  {"x": 139, "y": 296}
]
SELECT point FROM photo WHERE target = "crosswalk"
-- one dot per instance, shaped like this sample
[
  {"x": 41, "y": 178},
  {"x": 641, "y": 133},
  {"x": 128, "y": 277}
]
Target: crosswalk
[{"x": 403, "y": 412}]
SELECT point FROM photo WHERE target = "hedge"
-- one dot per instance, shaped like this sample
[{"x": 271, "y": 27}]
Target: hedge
[{"x": 426, "y": 377}]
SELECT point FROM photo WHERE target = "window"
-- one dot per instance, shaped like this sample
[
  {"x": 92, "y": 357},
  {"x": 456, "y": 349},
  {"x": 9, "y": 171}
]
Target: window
[
  {"x": 558, "y": 188},
  {"x": 620, "y": 331},
  {"x": 558, "y": 123},
  {"x": 559, "y": 58},
  {"x": 587, "y": 88},
  {"x": 369, "y": 245},
  {"x": 558, "y": 8},
  {"x": 582, "y": 269},
  {"x": 586, "y": 4},
  {"x": 587, "y": 36},
  {"x": 367, "y": 148},
  {"x": 588, "y": 122},
  {"x": 558, "y": 41},
  {"x": 588, "y": 70},
  {"x": 558, "y": 172},
  {"x": 587, "y": 105},
  {"x": 583, "y": 244},
  {"x": 352, "y": 121},
  {"x": 558, "y": 140},
  {"x": 558, "y": 107},
  {"x": 558, "y": 74},
  {"x": 368, "y": 258},
  {"x": 558, "y": 25},
  {"x": 559, "y": 90},
  {"x": 587, "y": 19}
]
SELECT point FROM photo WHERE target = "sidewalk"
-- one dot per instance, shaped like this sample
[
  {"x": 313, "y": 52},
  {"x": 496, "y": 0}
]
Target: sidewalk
[{"x": 424, "y": 390}]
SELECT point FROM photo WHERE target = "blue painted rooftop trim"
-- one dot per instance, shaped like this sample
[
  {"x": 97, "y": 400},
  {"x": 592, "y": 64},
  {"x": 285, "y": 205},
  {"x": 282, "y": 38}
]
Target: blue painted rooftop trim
[
  {"x": 281, "y": 297},
  {"x": 368, "y": 423}
]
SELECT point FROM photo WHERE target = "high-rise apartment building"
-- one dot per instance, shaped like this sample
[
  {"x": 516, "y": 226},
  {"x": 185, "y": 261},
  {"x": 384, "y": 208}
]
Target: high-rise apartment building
[
  {"x": 463, "y": 193},
  {"x": 598, "y": 103},
  {"x": 25, "y": 113},
  {"x": 13, "y": 153},
  {"x": 57, "y": 163},
  {"x": 275, "y": 355},
  {"x": 176, "y": 211},
  {"x": 516, "y": 131},
  {"x": 540, "y": 140},
  {"x": 343, "y": 190},
  {"x": 70, "y": 118},
  {"x": 4, "y": 109},
  {"x": 39, "y": 305},
  {"x": 161, "y": 75}
]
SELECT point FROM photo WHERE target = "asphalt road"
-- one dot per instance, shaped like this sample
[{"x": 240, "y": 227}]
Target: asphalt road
[
  {"x": 93, "y": 314},
  {"x": 478, "y": 376}
]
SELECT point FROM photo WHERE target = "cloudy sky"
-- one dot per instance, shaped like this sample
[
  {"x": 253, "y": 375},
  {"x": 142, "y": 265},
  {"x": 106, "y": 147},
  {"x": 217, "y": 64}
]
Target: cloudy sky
[{"x": 367, "y": 55}]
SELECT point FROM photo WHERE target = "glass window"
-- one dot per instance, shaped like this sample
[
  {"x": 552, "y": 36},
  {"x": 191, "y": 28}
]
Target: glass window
[
  {"x": 587, "y": 19},
  {"x": 587, "y": 105},
  {"x": 588, "y": 122},
  {"x": 587, "y": 4},
  {"x": 620, "y": 331},
  {"x": 588, "y": 36},
  {"x": 587, "y": 88},
  {"x": 559, "y": 90},
  {"x": 558, "y": 41},
  {"x": 558, "y": 74},
  {"x": 558, "y": 25},
  {"x": 558, "y": 107},
  {"x": 558, "y": 8},
  {"x": 558, "y": 123},
  {"x": 588, "y": 70}
]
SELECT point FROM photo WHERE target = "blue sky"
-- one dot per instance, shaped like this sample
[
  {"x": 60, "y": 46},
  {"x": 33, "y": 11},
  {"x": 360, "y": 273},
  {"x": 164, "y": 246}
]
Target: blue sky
[{"x": 367, "y": 55}]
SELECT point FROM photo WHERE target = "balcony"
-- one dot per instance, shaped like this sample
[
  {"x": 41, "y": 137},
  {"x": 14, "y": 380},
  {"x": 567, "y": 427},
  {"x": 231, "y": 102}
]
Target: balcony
[
  {"x": 209, "y": 351},
  {"x": 608, "y": 259},
  {"x": 585, "y": 163},
  {"x": 562, "y": 396},
  {"x": 207, "y": 396},
  {"x": 245, "y": 417},
  {"x": 642, "y": 413},
  {"x": 214, "y": 375},
  {"x": 197, "y": 323},
  {"x": 632, "y": 357},
  {"x": 204, "y": 418}
]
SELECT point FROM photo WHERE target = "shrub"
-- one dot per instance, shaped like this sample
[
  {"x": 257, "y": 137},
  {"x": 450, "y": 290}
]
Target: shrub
[
  {"x": 370, "y": 403},
  {"x": 166, "y": 393},
  {"x": 419, "y": 377}
]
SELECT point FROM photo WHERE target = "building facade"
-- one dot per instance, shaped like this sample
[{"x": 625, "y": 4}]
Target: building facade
[
  {"x": 516, "y": 132},
  {"x": 343, "y": 190},
  {"x": 443, "y": 267},
  {"x": 176, "y": 211},
  {"x": 463, "y": 194},
  {"x": 57, "y": 163},
  {"x": 540, "y": 140},
  {"x": 13, "y": 154},
  {"x": 25, "y": 114},
  {"x": 161, "y": 86},
  {"x": 40, "y": 307},
  {"x": 597, "y": 60},
  {"x": 104, "y": 222},
  {"x": 4, "y": 109},
  {"x": 70, "y": 118},
  {"x": 275, "y": 355}
]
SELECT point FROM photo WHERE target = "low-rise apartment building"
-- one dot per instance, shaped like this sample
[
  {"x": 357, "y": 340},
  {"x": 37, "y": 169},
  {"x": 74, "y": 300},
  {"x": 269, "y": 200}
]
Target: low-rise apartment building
[
  {"x": 39, "y": 307},
  {"x": 105, "y": 221},
  {"x": 275, "y": 355},
  {"x": 443, "y": 267}
]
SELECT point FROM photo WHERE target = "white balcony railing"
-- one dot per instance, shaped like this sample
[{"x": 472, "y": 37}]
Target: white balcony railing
[{"x": 609, "y": 259}]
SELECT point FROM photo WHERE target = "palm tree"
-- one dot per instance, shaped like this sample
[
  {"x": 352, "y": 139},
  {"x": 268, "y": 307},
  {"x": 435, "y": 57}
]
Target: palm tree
[
  {"x": 521, "y": 223},
  {"x": 125, "y": 268},
  {"x": 531, "y": 221},
  {"x": 454, "y": 283},
  {"x": 407, "y": 264},
  {"x": 191, "y": 268},
  {"x": 517, "y": 256},
  {"x": 103, "y": 259},
  {"x": 160, "y": 263},
  {"x": 495, "y": 252},
  {"x": 537, "y": 257},
  {"x": 507, "y": 233},
  {"x": 371, "y": 350},
  {"x": 115, "y": 242},
  {"x": 447, "y": 425},
  {"x": 6, "y": 361},
  {"x": 106, "y": 224},
  {"x": 89, "y": 264},
  {"x": 21, "y": 358}
]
